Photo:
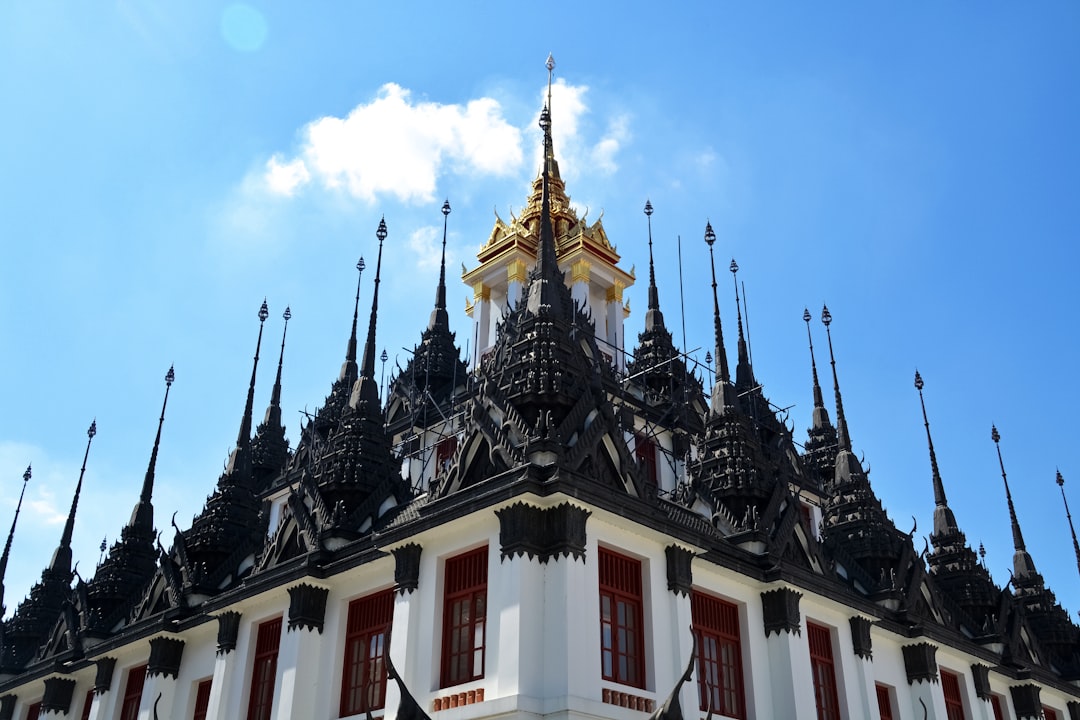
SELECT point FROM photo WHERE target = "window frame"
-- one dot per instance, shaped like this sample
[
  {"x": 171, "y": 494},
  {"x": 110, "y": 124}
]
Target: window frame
[
  {"x": 725, "y": 631},
  {"x": 952, "y": 690},
  {"x": 367, "y": 619},
  {"x": 465, "y": 582},
  {"x": 1049, "y": 713},
  {"x": 260, "y": 705},
  {"x": 88, "y": 703},
  {"x": 995, "y": 706},
  {"x": 621, "y": 584},
  {"x": 645, "y": 453},
  {"x": 203, "y": 689},
  {"x": 132, "y": 697},
  {"x": 823, "y": 670},
  {"x": 884, "y": 701},
  {"x": 33, "y": 711}
]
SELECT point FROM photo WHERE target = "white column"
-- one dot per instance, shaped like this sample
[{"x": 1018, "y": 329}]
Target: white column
[
  {"x": 614, "y": 312},
  {"x": 516, "y": 273},
  {"x": 226, "y": 686},
  {"x": 579, "y": 284},
  {"x": 920, "y": 663},
  {"x": 482, "y": 314},
  {"x": 518, "y": 601},
  {"x": 862, "y": 694},
  {"x": 571, "y": 628},
  {"x": 158, "y": 685},
  {"x": 406, "y": 651},
  {"x": 790, "y": 675},
  {"x": 104, "y": 705},
  {"x": 300, "y": 657},
  {"x": 926, "y": 694}
]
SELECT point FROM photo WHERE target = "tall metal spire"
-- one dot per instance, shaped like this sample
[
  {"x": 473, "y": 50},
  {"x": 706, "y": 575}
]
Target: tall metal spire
[
  {"x": 543, "y": 292},
  {"x": 1061, "y": 484},
  {"x": 939, "y": 488},
  {"x": 439, "y": 318},
  {"x": 240, "y": 459},
  {"x": 11, "y": 535},
  {"x": 550, "y": 165},
  {"x": 143, "y": 515},
  {"x": 723, "y": 375},
  {"x": 1023, "y": 566},
  {"x": 744, "y": 374},
  {"x": 273, "y": 412},
  {"x": 653, "y": 317},
  {"x": 819, "y": 401},
  {"x": 348, "y": 368},
  {"x": 843, "y": 438},
  {"x": 61, "y": 559},
  {"x": 367, "y": 389},
  {"x": 944, "y": 520}
]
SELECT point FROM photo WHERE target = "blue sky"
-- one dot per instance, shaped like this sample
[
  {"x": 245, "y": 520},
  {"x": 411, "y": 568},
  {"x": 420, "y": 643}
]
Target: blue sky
[{"x": 164, "y": 166}]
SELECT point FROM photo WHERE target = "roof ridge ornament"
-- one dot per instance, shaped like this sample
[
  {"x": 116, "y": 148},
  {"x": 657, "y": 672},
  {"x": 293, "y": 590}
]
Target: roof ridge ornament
[
  {"x": 723, "y": 374},
  {"x": 143, "y": 515},
  {"x": 61, "y": 560},
  {"x": 348, "y": 368},
  {"x": 366, "y": 389},
  {"x": 1023, "y": 565},
  {"x": 439, "y": 317},
  {"x": 653, "y": 317},
  {"x": 240, "y": 458}
]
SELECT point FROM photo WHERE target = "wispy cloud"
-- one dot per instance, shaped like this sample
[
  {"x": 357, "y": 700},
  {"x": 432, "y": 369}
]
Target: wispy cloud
[
  {"x": 424, "y": 242},
  {"x": 397, "y": 146}
]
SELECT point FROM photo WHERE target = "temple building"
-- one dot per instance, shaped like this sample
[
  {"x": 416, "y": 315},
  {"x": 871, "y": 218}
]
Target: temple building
[{"x": 567, "y": 524}]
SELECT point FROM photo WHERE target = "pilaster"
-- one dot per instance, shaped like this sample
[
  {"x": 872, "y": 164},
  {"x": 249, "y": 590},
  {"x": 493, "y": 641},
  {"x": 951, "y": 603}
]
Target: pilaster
[
  {"x": 104, "y": 698},
  {"x": 789, "y": 656},
  {"x": 159, "y": 689},
  {"x": 920, "y": 663},
  {"x": 405, "y": 631},
  {"x": 300, "y": 667},
  {"x": 225, "y": 667},
  {"x": 865, "y": 691}
]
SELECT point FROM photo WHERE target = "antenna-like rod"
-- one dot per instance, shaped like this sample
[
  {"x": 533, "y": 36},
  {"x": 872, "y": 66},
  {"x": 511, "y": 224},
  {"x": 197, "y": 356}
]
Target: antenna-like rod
[
  {"x": 843, "y": 438},
  {"x": 1076, "y": 546},
  {"x": 241, "y": 456},
  {"x": 143, "y": 516},
  {"x": 550, "y": 65},
  {"x": 11, "y": 535},
  {"x": 653, "y": 317}
]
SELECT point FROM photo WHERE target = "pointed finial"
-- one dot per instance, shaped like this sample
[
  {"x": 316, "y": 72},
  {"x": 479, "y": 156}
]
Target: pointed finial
[
  {"x": 939, "y": 487},
  {"x": 273, "y": 413},
  {"x": 723, "y": 376},
  {"x": 366, "y": 382},
  {"x": 240, "y": 459},
  {"x": 1072, "y": 530},
  {"x": 982, "y": 553},
  {"x": 11, "y": 535},
  {"x": 743, "y": 374},
  {"x": 1018, "y": 537},
  {"x": 653, "y": 318},
  {"x": 348, "y": 368},
  {"x": 142, "y": 516},
  {"x": 550, "y": 65},
  {"x": 439, "y": 317},
  {"x": 61, "y": 560},
  {"x": 819, "y": 401},
  {"x": 843, "y": 438}
]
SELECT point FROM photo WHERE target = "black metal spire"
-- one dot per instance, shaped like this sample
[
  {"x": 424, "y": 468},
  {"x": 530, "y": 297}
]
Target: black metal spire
[
  {"x": 366, "y": 389},
  {"x": 11, "y": 535},
  {"x": 439, "y": 318},
  {"x": 1023, "y": 565},
  {"x": 843, "y": 438},
  {"x": 348, "y": 368},
  {"x": 744, "y": 374},
  {"x": 1072, "y": 530},
  {"x": 61, "y": 559},
  {"x": 240, "y": 459},
  {"x": 723, "y": 374},
  {"x": 821, "y": 415},
  {"x": 653, "y": 317},
  {"x": 550, "y": 164},
  {"x": 273, "y": 412},
  {"x": 142, "y": 517},
  {"x": 944, "y": 520},
  {"x": 542, "y": 287}
]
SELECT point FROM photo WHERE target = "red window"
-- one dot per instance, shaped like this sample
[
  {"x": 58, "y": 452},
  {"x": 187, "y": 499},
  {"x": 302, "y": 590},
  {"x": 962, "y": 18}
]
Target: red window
[
  {"x": 995, "y": 704},
  {"x": 824, "y": 671},
  {"x": 129, "y": 708},
  {"x": 720, "y": 677},
  {"x": 954, "y": 705},
  {"x": 263, "y": 670},
  {"x": 1049, "y": 713},
  {"x": 884, "y": 702},
  {"x": 87, "y": 704},
  {"x": 622, "y": 635},
  {"x": 363, "y": 680},
  {"x": 464, "y": 616},
  {"x": 202, "y": 699},
  {"x": 33, "y": 711},
  {"x": 645, "y": 452}
]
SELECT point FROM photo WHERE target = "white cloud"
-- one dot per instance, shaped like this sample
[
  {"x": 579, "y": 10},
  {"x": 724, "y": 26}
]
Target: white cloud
[
  {"x": 423, "y": 243},
  {"x": 603, "y": 153},
  {"x": 285, "y": 178},
  {"x": 576, "y": 155},
  {"x": 397, "y": 146}
]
